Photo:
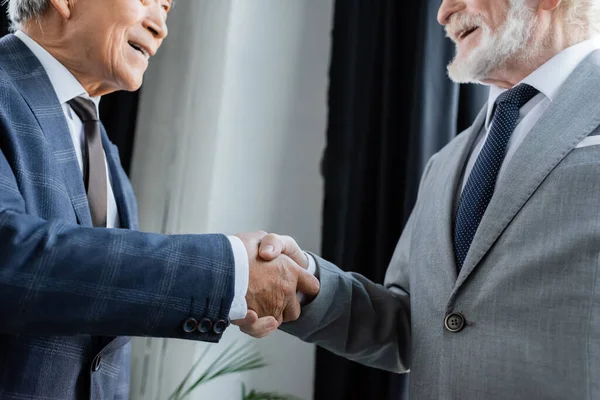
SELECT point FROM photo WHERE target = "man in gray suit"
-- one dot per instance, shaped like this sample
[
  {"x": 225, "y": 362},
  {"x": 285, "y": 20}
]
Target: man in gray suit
[{"x": 493, "y": 291}]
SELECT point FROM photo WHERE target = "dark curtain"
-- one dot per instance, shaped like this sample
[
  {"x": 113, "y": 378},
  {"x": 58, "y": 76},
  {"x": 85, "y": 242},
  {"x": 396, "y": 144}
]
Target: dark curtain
[
  {"x": 4, "y": 25},
  {"x": 391, "y": 108},
  {"x": 118, "y": 111}
]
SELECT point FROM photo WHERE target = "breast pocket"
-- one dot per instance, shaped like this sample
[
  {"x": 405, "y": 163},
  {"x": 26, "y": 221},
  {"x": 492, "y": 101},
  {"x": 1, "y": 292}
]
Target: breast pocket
[
  {"x": 589, "y": 141},
  {"x": 586, "y": 152}
]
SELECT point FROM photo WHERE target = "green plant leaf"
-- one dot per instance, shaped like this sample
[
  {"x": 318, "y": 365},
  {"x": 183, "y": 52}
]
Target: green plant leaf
[
  {"x": 254, "y": 395},
  {"x": 177, "y": 394},
  {"x": 231, "y": 360}
]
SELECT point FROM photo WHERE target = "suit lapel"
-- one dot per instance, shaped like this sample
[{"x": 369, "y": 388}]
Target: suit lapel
[
  {"x": 35, "y": 87},
  {"x": 124, "y": 206},
  {"x": 570, "y": 118},
  {"x": 450, "y": 178}
]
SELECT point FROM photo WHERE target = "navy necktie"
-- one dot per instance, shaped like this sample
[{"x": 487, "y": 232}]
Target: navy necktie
[{"x": 480, "y": 185}]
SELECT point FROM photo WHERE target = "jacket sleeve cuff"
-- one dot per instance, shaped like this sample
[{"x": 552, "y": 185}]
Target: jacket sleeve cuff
[{"x": 239, "y": 307}]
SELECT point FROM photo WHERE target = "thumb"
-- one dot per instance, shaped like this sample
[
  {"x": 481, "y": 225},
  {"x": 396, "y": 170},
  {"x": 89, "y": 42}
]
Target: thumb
[
  {"x": 251, "y": 318},
  {"x": 272, "y": 246},
  {"x": 307, "y": 284}
]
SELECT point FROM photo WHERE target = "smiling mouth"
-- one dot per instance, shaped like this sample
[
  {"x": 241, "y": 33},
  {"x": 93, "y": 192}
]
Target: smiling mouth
[
  {"x": 141, "y": 50},
  {"x": 467, "y": 32}
]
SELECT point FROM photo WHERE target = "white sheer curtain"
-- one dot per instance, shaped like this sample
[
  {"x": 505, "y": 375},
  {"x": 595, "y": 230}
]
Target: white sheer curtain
[{"x": 230, "y": 136}]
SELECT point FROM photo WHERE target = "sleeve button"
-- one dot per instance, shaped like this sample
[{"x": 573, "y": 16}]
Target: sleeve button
[
  {"x": 189, "y": 325},
  {"x": 205, "y": 325},
  {"x": 220, "y": 326}
]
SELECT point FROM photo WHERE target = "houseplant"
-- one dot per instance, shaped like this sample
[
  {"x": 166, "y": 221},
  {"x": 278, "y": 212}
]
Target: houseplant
[{"x": 234, "y": 359}]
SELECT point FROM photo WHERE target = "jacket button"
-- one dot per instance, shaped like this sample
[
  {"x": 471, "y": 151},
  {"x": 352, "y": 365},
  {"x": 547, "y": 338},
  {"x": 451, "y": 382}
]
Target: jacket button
[
  {"x": 205, "y": 325},
  {"x": 454, "y": 322},
  {"x": 96, "y": 363},
  {"x": 220, "y": 326},
  {"x": 189, "y": 325}
]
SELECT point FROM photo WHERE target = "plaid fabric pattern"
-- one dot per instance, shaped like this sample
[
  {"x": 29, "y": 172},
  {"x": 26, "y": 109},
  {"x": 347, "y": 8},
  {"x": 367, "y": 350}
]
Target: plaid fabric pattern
[{"x": 69, "y": 292}]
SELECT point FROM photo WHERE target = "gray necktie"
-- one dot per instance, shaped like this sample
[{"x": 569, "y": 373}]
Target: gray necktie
[{"x": 94, "y": 167}]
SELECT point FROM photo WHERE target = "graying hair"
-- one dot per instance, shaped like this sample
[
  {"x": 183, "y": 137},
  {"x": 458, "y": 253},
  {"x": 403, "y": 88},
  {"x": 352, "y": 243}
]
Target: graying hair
[
  {"x": 20, "y": 11},
  {"x": 583, "y": 15}
]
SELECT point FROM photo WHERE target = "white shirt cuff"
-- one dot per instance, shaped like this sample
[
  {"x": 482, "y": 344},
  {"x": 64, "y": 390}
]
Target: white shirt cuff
[
  {"x": 312, "y": 265},
  {"x": 312, "y": 269},
  {"x": 239, "y": 307}
]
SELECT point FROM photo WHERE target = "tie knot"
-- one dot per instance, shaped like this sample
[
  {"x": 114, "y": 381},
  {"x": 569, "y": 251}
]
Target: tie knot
[
  {"x": 84, "y": 108},
  {"x": 519, "y": 95}
]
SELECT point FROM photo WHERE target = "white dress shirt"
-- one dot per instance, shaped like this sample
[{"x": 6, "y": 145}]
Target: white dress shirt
[
  {"x": 547, "y": 80},
  {"x": 67, "y": 87}
]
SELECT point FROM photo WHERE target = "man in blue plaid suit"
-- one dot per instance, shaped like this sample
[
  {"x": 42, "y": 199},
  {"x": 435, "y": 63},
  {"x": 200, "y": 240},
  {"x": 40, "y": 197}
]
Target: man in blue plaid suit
[{"x": 76, "y": 277}]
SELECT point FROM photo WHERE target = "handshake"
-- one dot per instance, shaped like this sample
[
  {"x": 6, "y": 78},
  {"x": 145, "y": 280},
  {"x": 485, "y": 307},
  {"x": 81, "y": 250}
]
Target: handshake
[{"x": 277, "y": 273}]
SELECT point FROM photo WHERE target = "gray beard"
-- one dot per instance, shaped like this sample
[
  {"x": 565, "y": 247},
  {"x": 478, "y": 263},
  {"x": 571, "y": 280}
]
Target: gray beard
[{"x": 510, "y": 44}]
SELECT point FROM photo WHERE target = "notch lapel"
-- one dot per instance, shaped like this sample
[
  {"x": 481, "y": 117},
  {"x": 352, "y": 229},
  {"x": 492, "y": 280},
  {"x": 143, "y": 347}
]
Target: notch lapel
[
  {"x": 568, "y": 120},
  {"x": 124, "y": 206},
  {"x": 449, "y": 178},
  {"x": 35, "y": 87}
]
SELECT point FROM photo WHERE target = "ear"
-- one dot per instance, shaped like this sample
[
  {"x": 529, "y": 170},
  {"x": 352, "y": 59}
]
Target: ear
[
  {"x": 548, "y": 5},
  {"x": 63, "y": 7}
]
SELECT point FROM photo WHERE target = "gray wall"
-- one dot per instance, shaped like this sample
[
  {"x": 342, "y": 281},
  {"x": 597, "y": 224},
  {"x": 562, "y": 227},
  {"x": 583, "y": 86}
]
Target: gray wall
[{"x": 231, "y": 133}]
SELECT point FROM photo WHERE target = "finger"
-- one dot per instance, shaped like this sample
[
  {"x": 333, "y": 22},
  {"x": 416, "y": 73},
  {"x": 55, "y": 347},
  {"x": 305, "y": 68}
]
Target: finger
[
  {"x": 292, "y": 311},
  {"x": 272, "y": 246},
  {"x": 251, "y": 239},
  {"x": 261, "y": 328},
  {"x": 307, "y": 283},
  {"x": 251, "y": 318}
]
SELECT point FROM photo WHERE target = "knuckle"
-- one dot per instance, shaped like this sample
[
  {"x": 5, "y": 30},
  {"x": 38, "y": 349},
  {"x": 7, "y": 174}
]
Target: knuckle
[
  {"x": 295, "y": 313},
  {"x": 289, "y": 289},
  {"x": 292, "y": 242}
]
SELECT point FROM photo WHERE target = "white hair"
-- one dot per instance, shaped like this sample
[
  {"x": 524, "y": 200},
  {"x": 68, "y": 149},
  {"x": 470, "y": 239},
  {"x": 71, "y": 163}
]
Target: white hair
[
  {"x": 20, "y": 11},
  {"x": 583, "y": 15},
  {"x": 495, "y": 49}
]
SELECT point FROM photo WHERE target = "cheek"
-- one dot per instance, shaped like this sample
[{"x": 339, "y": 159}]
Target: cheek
[
  {"x": 499, "y": 13},
  {"x": 117, "y": 51}
]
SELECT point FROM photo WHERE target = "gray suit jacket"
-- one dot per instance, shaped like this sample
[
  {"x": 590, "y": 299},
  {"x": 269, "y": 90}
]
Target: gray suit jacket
[{"x": 529, "y": 288}]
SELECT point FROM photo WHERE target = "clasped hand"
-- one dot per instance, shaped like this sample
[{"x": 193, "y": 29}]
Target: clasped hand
[{"x": 277, "y": 272}]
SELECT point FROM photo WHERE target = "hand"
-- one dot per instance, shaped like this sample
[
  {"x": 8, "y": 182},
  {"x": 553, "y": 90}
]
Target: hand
[
  {"x": 273, "y": 284},
  {"x": 272, "y": 246},
  {"x": 257, "y": 327}
]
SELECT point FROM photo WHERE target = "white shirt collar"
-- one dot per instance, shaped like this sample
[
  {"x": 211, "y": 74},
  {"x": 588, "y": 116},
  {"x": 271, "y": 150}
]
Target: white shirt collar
[
  {"x": 549, "y": 77},
  {"x": 66, "y": 86}
]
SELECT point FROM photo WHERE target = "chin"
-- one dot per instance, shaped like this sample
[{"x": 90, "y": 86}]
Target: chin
[
  {"x": 131, "y": 83},
  {"x": 472, "y": 65},
  {"x": 467, "y": 71}
]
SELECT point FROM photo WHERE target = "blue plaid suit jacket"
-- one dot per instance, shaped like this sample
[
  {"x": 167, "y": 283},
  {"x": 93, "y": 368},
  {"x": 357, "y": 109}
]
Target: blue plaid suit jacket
[{"x": 71, "y": 295}]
